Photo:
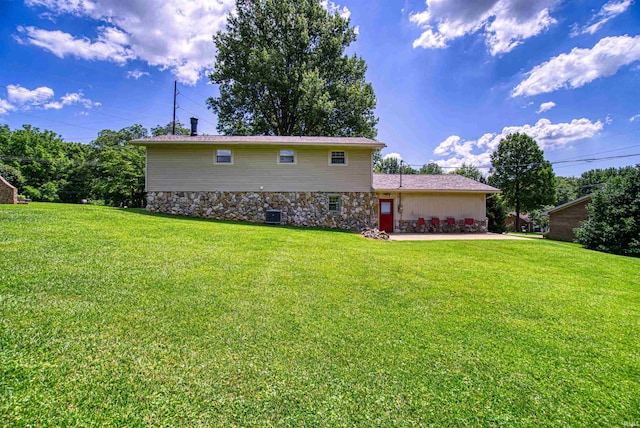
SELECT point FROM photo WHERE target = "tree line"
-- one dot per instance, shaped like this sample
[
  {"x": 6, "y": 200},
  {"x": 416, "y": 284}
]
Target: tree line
[{"x": 46, "y": 168}]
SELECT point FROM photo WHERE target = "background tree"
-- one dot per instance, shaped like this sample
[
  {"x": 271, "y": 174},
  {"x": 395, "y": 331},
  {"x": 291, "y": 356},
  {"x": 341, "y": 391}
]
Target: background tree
[
  {"x": 614, "y": 216},
  {"x": 12, "y": 175},
  {"x": 471, "y": 172},
  {"x": 47, "y": 165},
  {"x": 519, "y": 169},
  {"x": 388, "y": 165},
  {"x": 282, "y": 70},
  {"x": 430, "y": 168},
  {"x": 592, "y": 180},
  {"x": 168, "y": 129},
  {"x": 566, "y": 189},
  {"x": 119, "y": 167}
]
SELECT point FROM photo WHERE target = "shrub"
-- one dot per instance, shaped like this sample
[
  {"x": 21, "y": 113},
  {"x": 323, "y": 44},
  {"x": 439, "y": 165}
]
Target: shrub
[{"x": 614, "y": 217}]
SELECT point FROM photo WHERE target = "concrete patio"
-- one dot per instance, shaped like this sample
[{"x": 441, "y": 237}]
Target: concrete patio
[{"x": 450, "y": 236}]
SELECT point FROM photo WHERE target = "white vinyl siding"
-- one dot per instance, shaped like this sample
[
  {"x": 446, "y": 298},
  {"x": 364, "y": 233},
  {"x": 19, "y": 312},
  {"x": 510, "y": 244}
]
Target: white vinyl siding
[
  {"x": 441, "y": 205},
  {"x": 189, "y": 168}
]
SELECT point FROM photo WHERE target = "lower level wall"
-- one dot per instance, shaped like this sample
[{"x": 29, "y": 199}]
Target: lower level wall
[{"x": 358, "y": 210}]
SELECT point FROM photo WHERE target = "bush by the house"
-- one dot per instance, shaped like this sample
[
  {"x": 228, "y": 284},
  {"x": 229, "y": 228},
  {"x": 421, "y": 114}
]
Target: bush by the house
[{"x": 614, "y": 217}]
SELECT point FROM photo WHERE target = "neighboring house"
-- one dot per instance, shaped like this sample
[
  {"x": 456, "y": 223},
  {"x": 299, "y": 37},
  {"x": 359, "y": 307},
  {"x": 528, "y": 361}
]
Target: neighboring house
[
  {"x": 526, "y": 225},
  {"x": 564, "y": 218},
  {"x": 303, "y": 181},
  {"x": 8, "y": 193}
]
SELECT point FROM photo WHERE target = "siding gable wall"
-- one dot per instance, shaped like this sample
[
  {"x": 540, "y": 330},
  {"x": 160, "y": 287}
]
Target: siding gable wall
[{"x": 256, "y": 169}]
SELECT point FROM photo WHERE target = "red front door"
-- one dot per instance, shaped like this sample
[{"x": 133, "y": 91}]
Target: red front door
[{"x": 386, "y": 215}]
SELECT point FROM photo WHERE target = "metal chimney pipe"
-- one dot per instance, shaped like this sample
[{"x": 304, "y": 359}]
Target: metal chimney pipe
[{"x": 194, "y": 126}]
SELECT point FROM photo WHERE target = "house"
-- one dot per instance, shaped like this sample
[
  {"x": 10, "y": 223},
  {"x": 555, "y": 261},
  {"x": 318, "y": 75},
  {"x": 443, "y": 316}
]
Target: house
[
  {"x": 526, "y": 225},
  {"x": 304, "y": 181},
  {"x": 564, "y": 218},
  {"x": 8, "y": 193}
]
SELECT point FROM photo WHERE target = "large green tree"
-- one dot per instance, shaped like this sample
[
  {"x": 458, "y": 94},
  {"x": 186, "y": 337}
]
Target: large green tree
[
  {"x": 120, "y": 167},
  {"x": 50, "y": 168},
  {"x": 282, "y": 70},
  {"x": 613, "y": 225},
  {"x": 519, "y": 169}
]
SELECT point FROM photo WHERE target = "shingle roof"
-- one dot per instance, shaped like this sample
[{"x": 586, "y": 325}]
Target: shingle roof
[
  {"x": 432, "y": 183},
  {"x": 259, "y": 139},
  {"x": 569, "y": 204}
]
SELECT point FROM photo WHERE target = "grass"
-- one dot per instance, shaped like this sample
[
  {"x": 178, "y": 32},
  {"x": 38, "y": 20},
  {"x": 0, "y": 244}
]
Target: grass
[{"x": 117, "y": 317}]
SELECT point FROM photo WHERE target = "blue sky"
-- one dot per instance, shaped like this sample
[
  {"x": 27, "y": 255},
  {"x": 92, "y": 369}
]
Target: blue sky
[{"x": 451, "y": 76}]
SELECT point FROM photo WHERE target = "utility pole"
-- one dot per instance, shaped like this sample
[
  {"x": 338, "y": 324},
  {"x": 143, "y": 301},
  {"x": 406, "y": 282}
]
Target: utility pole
[{"x": 175, "y": 92}]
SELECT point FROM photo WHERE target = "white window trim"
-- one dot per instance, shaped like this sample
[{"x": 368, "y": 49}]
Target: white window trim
[
  {"x": 339, "y": 203},
  {"x": 215, "y": 157},
  {"x": 346, "y": 158},
  {"x": 295, "y": 157}
]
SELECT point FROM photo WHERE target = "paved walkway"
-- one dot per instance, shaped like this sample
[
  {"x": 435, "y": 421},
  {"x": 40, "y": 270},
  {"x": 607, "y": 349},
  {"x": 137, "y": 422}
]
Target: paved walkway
[{"x": 450, "y": 236}]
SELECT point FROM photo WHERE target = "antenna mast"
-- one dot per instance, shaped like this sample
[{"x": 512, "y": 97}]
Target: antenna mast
[{"x": 175, "y": 91}]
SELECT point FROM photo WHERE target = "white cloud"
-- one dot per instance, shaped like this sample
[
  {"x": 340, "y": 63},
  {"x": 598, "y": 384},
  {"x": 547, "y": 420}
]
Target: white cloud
[
  {"x": 580, "y": 66},
  {"x": 546, "y": 107},
  {"x": 634, "y": 118},
  {"x": 136, "y": 74},
  {"x": 78, "y": 98},
  {"x": 504, "y": 24},
  {"x": 392, "y": 155},
  {"x": 548, "y": 135},
  {"x": 5, "y": 106},
  {"x": 609, "y": 10},
  {"x": 109, "y": 46},
  {"x": 335, "y": 8},
  {"x": 55, "y": 105},
  {"x": 19, "y": 98},
  {"x": 170, "y": 34}
]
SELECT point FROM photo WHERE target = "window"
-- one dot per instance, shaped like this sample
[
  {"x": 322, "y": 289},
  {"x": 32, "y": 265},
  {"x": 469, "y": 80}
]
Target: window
[
  {"x": 337, "y": 158},
  {"x": 287, "y": 156},
  {"x": 224, "y": 156},
  {"x": 334, "y": 203}
]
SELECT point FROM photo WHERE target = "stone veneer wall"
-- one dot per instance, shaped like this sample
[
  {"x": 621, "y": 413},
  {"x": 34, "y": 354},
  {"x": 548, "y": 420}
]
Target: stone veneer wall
[
  {"x": 358, "y": 210},
  {"x": 8, "y": 193},
  {"x": 412, "y": 226}
]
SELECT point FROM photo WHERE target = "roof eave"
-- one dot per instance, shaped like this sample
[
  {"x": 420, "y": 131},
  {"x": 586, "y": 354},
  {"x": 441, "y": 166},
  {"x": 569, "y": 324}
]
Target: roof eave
[
  {"x": 405, "y": 189},
  {"x": 568, "y": 204},
  {"x": 145, "y": 142}
]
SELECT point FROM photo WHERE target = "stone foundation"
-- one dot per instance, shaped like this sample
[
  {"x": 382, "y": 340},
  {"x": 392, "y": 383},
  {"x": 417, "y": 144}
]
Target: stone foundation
[
  {"x": 358, "y": 210},
  {"x": 412, "y": 226}
]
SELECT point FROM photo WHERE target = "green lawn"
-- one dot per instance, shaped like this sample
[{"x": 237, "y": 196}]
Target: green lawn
[{"x": 117, "y": 317}]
